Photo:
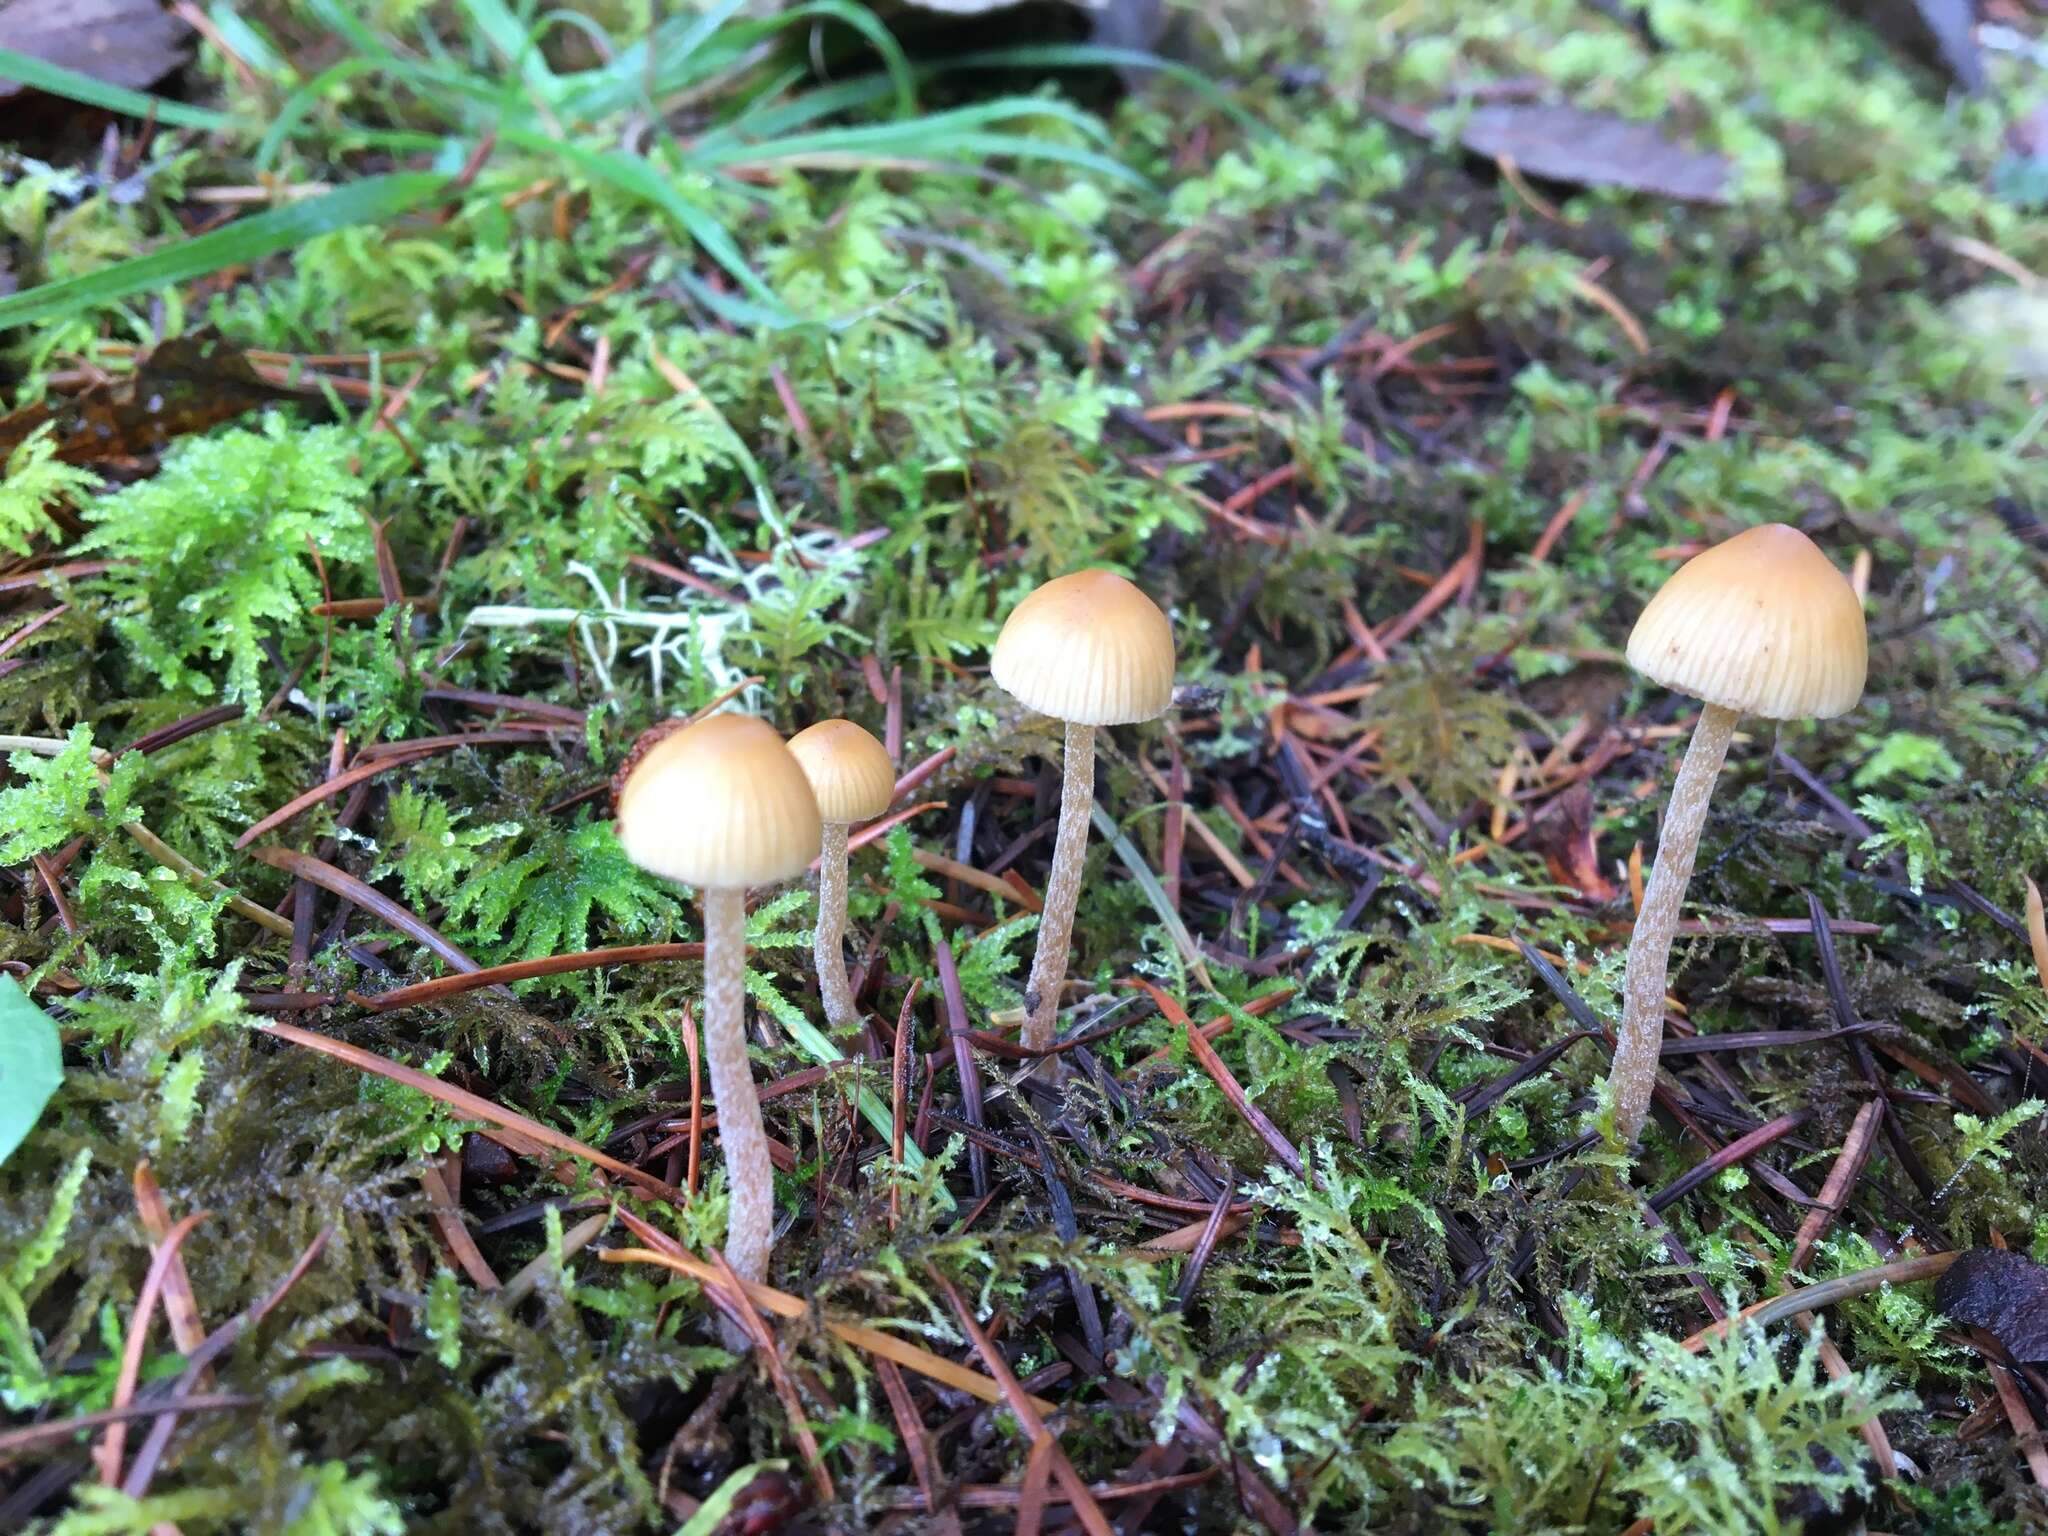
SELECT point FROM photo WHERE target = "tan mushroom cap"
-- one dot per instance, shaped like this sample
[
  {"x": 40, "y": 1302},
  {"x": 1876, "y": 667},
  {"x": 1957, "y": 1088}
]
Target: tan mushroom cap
[
  {"x": 1763, "y": 624},
  {"x": 850, "y": 773},
  {"x": 1090, "y": 648},
  {"x": 720, "y": 804}
]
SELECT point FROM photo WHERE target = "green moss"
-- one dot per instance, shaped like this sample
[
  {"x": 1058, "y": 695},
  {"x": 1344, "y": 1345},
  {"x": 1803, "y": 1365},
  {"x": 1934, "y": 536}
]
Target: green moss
[{"x": 1432, "y": 1324}]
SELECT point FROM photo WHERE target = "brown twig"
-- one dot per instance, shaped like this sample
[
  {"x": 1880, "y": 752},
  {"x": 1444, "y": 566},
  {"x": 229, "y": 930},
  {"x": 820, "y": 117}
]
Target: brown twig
[
  {"x": 1205, "y": 1054},
  {"x": 388, "y": 756},
  {"x": 886, "y": 1346},
  {"x": 2025, "y": 1432},
  {"x": 1811, "y": 1298},
  {"x": 188, "y": 1332},
  {"x": 1834, "y": 1193}
]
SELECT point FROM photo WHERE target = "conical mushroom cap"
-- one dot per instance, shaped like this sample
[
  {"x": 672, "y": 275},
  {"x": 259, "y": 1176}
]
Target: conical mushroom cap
[
  {"x": 1090, "y": 648},
  {"x": 720, "y": 804},
  {"x": 1763, "y": 624},
  {"x": 850, "y": 773}
]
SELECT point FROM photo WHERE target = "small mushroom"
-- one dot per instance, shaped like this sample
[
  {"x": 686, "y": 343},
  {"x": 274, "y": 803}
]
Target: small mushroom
[
  {"x": 1088, "y": 649},
  {"x": 1760, "y": 625},
  {"x": 723, "y": 805},
  {"x": 852, "y": 777}
]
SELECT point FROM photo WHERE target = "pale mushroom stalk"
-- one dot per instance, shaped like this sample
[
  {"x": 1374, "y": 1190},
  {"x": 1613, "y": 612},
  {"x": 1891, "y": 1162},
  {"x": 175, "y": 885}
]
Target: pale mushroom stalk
[
  {"x": 1062, "y": 886},
  {"x": 853, "y": 780},
  {"x": 723, "y": 805},
  {"x": 1640, "y": 1040},
  {"x": 1759, "y": 625},
  {"x": 1088, "y": 649},
  {"x": 743, "y": 1136},
  {"x": 829, "y": 944}
]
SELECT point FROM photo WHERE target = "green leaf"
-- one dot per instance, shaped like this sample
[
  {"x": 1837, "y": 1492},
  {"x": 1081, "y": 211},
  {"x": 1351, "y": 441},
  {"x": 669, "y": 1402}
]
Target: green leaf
[
  {"x": 370, "y": 201},
  {"x": 31, "y": 1064}
]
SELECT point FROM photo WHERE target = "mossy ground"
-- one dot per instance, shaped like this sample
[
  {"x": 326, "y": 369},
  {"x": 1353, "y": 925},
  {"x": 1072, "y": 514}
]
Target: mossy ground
[{"x": 523, "y": 406}]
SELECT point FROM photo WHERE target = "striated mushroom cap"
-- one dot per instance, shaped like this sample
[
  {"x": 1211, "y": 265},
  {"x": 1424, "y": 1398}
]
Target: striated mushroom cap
[
  {"x": 1762, "y": 624},
  {"x": 720, "y": 804},
  {"x": 849, "y": 770},
  {"x": 1090, "y": 648}
]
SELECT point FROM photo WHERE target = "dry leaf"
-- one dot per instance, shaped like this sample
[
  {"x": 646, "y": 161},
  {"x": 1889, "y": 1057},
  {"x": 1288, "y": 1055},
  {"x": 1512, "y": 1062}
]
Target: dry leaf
[
  {"x": 1591, "y": 149},
  {"x": 189, "y": 384},
  {"x": 1942, "y": 33},
  {"x": 2005, "y": 1294},
  {"x": 123, "y": 42},
  {"x": 1569, "y": 849}
]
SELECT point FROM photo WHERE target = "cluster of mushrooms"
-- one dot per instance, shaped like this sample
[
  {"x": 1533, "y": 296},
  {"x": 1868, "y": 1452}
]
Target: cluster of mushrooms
[
  {"x": 725, "y": 805},
  {"x": 1762, "y": 624}
]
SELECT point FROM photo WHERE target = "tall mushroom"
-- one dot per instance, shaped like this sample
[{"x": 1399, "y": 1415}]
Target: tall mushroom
[
  {"x": 852, "y": 777},
  {"x": 1760, "y": 625},
  {"x": 722, "y": 805},
  {"x": 1088, "y": 649}
]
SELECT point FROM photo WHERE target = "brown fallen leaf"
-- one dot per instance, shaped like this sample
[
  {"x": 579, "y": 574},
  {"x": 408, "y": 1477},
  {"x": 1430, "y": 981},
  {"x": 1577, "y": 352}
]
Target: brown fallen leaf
[
  {"x": 1941, "y": 34},
  {"x": 1592, "y": 149},
  {"x": 188, "y": 384},
  {"x": 2005, "y": 1294},
  {"x": 123, "y": 42},
  {"x": 1565, "y": 833}
]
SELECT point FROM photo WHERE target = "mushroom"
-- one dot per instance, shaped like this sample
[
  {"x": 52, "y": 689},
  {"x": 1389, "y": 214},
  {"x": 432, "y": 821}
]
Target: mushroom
[
  {"x": 852, "y": 777},
  {"x": 1760, "y": 625},
  {"x": 722, "y": 805},
  {"x": 1088, "y": 649}
]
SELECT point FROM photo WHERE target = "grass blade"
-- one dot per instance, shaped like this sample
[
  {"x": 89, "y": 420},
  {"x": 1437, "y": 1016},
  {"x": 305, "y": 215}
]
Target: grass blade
[
  {"x": 680, "y": 58},
  {"x": 1141, "y": 872},
  {"x": 638, "y": 178},
  {"x": 301, "y": 102},
  {"x": 763, "y": 121},
  {"x": 518, "y": 46},
  {"x": 689, "y": 51},
  {"x": 1098, "y": 56},
  {"x": 72, "y": 86},
  {"x": 246, "y": 240},
  {"x": 930, "y": 140},
  {"x": 813, "y": 1043}
]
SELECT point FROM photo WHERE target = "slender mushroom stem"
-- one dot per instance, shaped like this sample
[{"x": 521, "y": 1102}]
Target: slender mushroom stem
[
  {"x": 1640, "y": 1040},
  {"x": 750, "y": 1177},
  {"x": 829, "y": 943},
  {"x": 1062, "y": 889}
]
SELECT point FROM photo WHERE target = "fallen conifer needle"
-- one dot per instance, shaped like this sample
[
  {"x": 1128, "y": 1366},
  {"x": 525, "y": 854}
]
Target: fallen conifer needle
[
  {"x": 873, "y": 1340},
  {"x": 472, "y": 1106},
  {"x": 1810, "y": 1298}
]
